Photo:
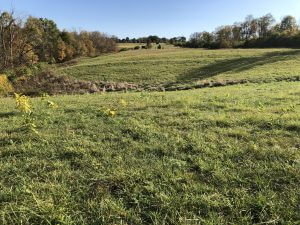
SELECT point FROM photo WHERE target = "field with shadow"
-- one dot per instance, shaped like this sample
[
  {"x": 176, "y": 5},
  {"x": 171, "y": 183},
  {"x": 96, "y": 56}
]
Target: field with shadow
[{"x": 187, "y": 66}]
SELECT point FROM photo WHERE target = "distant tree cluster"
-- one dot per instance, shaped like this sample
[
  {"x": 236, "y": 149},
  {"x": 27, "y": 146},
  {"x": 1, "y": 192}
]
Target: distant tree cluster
[
  {"x": 260, "y": 32},
  {"x": 39, "y": 40},
  {"x": 154, "y": 39}
]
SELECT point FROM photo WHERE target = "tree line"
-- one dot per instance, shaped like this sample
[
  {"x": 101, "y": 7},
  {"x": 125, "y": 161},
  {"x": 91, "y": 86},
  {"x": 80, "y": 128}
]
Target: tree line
[
  {"x": 154, "y": 39},
  {"x": 260, "y": 32},
  {"x": 26, "y": 42}
]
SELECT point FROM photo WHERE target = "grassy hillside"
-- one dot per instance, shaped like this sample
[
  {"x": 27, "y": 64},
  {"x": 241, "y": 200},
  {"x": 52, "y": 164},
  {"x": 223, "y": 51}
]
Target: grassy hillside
[
  {"x": 132, "y": 45},
  {"x": 128, "y": 45},
  {"x": 186, "y": 66},
  {"x": 226, "y": 155}
]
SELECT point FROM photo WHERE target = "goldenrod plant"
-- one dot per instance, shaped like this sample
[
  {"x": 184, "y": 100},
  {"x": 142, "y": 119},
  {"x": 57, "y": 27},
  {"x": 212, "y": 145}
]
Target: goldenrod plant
[
  {"x": 52, "y": 105},
  {"x": 114, "y": 107},
  {"x": 23, "y": 103},
  {"x": 123, "y": 103},
  {"x": 29, "y": 125},
  {"x": 110, "y": 112}
]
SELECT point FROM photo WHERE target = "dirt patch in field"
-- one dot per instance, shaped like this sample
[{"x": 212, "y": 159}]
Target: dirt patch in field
[
  {"x": 48, "y": 82},
  {"x": 212, "y": 84}
]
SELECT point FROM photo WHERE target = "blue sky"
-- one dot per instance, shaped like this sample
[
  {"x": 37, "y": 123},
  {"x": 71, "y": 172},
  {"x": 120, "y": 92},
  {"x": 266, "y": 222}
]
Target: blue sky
[{"x": 136, "y": 18}]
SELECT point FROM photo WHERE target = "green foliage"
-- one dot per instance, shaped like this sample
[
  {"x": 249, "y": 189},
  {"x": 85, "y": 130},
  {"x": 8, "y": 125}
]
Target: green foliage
[
  {"x": 227, "y": 155},
  {"x": 28, "y": 125},
  {"x": 252, "y": 33},
  {"x": 25, "y": 43},
  {"x": 23, "y": 72}
]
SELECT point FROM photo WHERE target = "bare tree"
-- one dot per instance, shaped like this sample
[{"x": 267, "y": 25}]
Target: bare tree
[
  {"x": 265, "y": 24},
  {"x": 10, "y": 28}
]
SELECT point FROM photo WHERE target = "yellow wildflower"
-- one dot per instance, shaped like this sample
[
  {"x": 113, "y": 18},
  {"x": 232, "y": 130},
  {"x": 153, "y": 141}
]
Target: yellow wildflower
[{"x": 23, "y": 103}]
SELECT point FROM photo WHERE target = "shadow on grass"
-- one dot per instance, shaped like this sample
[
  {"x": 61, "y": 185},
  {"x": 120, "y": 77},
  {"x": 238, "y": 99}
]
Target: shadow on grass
[
  {"x": 4, "y": 142},
  {"x": 236, "y": 65},
  {"x": 5, "y": 115}
]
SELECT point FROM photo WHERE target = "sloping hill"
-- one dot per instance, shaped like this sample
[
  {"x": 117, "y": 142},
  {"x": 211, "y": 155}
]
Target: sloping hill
[{"x": 189, "y": 66}]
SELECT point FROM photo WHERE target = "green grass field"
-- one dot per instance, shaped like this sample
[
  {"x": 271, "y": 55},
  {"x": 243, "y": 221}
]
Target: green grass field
[
  {"x": 128, "y": 45},
  {"x": 227, "y": 155},
  {"x": 188, "y": 66},
  {"x": 132, "y": 45}
]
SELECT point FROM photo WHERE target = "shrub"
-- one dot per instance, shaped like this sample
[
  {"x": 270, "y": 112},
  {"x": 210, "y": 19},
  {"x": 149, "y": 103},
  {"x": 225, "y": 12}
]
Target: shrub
[
  {"x": 149, "y": 46},
  {"x": 5, "y": 86},
  {"x": 159, "y": 47},
  {"x": 23, "y": 71},
  {"x": 136, "y": 47},
  {"x": 123, "y": 49},
  {"x": 144, "y": 47}
]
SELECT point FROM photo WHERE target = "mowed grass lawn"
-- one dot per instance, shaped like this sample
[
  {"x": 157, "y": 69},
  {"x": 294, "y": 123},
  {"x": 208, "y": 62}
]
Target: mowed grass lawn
[
  {"x": 177, "y": 65},
  {"x": 227, "y": 155}
]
